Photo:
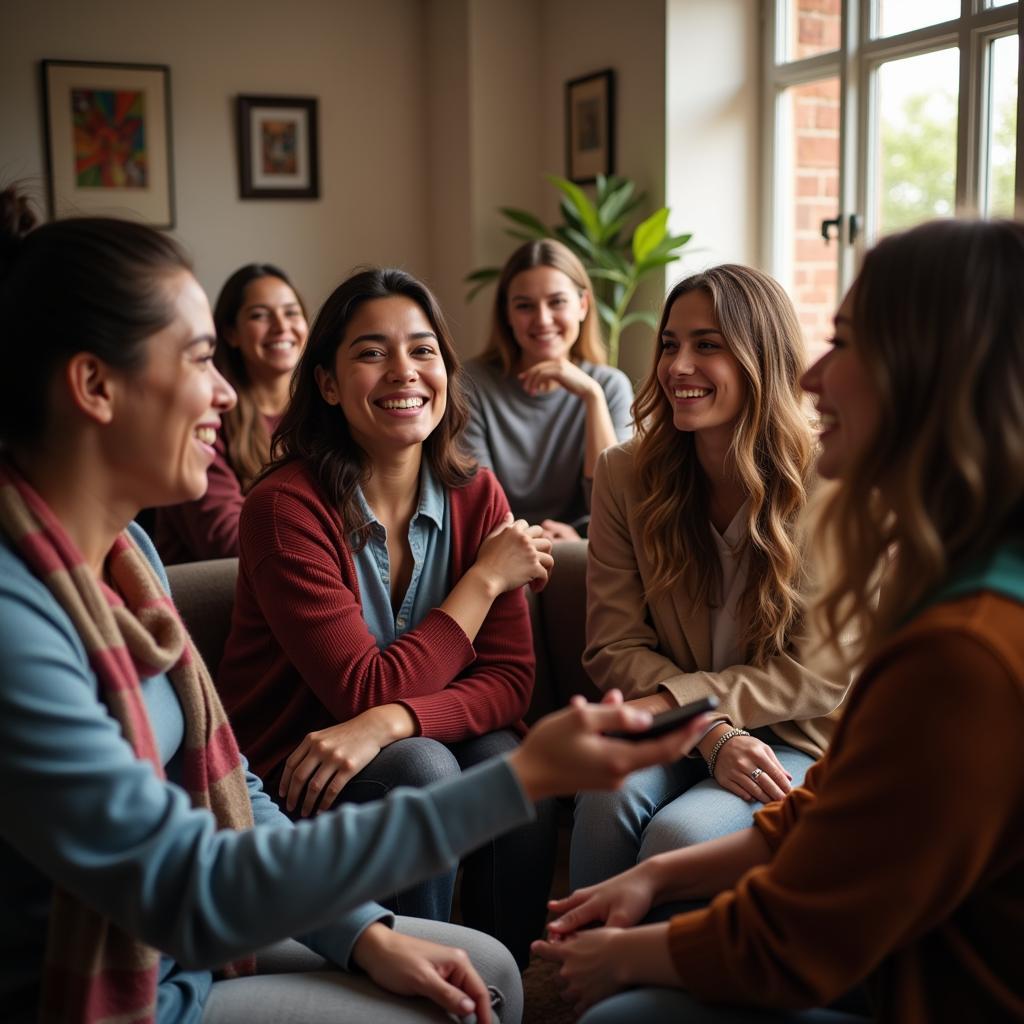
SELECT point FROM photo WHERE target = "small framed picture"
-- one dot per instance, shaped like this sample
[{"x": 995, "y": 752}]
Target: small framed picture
[
  {"x": 590, "y": 126},
  {"x": 277, "y": 148},
  {"x": 108, "y": 140}
]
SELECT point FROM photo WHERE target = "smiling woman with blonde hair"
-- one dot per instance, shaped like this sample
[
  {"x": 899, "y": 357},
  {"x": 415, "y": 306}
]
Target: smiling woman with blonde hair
[
  {"x": 899, "y": 865},
  {"x": 543, "y": 401},
  {"x": 695, "y": 576}
]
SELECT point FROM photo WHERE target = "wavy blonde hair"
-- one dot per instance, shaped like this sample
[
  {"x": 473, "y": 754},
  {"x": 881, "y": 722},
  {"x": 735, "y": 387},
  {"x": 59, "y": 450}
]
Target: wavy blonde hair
[
  {"x": 502, "y": 348},
  {"x": 938, "y": 322},
  {"x": 771, "y": 448}
]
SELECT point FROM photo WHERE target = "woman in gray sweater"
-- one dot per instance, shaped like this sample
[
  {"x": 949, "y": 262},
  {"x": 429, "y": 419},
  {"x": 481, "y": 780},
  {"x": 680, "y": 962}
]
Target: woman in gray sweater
[{"x": 544, "y": 402}]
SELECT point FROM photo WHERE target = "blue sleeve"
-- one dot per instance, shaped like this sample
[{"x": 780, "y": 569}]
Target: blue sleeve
[
  {"x": 78, "y": 806},
  {"x": 336, "y": 940}
]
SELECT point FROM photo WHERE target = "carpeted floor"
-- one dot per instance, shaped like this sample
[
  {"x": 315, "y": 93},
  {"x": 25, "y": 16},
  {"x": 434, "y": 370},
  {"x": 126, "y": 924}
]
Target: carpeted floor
[
  {"x": 540, "y": 979},
  {"x": 543, "y": 1003}
]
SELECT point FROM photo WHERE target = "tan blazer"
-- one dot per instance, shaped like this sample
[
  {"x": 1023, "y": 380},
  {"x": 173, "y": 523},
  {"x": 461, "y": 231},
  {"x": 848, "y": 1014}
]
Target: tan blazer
[{"x": 642, "y": 647}]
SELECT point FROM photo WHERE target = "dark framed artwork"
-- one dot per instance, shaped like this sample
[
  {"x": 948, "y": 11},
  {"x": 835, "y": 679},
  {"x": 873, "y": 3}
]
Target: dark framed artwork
[
  {"x": 277, "y": 147},
  {"x": 590, "y": 126},
  {"x": 108, "y": 140}
]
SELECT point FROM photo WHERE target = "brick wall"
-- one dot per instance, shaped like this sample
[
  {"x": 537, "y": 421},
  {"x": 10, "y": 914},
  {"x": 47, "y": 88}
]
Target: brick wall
[{"x": 815, "y": 190}]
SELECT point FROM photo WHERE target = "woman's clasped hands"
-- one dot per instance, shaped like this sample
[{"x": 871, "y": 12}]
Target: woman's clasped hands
[{"x": 515, "y": 553}]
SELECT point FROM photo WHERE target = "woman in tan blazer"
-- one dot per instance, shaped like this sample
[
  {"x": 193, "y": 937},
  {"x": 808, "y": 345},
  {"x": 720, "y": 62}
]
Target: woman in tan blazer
[{"x": 695, "y": 575}]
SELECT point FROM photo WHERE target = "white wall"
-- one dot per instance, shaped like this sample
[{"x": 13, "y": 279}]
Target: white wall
[
  {"x": 365, "y": 63},
  {"x": 711, "y": 128}
]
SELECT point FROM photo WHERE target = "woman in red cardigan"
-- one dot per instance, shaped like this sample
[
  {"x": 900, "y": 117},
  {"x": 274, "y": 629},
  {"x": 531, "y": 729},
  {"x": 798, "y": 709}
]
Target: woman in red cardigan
[{"x": 380, "y": 634}]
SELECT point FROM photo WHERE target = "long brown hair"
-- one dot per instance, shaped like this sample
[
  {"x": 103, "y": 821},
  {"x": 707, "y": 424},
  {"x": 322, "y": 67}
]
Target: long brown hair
[
  {"x": 318, "y": 434},
  {"x": 245, "y": 433},
  {"x": 502, "y": 348},
  {"x": 938, "y": 323},
  {"x": 771, "y": 447}
]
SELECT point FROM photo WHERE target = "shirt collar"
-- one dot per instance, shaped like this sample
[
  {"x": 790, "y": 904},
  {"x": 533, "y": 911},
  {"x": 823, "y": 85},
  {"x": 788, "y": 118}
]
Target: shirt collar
[{"x": 431, "y": 503}]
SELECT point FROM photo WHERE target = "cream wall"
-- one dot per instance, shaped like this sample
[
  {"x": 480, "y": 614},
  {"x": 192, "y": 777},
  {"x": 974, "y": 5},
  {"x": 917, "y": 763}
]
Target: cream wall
[
  {"x": 433, "y": 113},
  {"x": 581, "y": 36},
  {"x": 365, "y": 63}
]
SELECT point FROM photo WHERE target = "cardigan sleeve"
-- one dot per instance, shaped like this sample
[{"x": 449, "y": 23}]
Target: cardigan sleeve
[
  {"x": 623, "y": 648},
  {"x": 301, "y": 576},
  {"x": 207, "y": 527},
  {"x": 901, "y": 831},
  {"x": 494, "y": 691}
]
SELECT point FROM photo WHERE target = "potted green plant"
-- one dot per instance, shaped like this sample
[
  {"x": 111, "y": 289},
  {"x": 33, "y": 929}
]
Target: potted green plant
[{"x": 595, "y": 230}]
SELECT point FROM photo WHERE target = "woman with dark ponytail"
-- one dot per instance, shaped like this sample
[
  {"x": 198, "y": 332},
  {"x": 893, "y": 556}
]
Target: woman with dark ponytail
[
  {"x": 137, "y": 853},
  {"x": 261, "y": 332}
]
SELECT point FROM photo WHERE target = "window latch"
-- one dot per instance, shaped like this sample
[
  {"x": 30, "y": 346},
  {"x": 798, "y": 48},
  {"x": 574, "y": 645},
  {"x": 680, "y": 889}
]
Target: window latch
[{"x": 836, "y": 223}]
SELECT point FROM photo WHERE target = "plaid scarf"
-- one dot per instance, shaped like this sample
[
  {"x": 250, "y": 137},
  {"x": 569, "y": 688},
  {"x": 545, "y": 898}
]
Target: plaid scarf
[{"x": 94, "y": 973}]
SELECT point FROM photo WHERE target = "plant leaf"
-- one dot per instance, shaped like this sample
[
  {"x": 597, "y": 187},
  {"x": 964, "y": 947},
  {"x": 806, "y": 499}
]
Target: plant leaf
[
  {"x": 640, "y": 317},
  {"x": 578, "y": 198},
  {"x": 609, "y": 275},
  {"x": 670, "y": 243},
  {"x": 606, "y": 312},
  {"x": 527, "y": 220},
  {"x": 652, "y": 262},
  {"x": 614, "y": 205},
  {"x": 649, "y": 234}
]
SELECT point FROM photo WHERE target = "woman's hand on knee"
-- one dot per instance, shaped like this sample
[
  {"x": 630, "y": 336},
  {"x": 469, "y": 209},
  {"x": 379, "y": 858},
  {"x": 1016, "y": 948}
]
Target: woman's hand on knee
[
  {"x": 409, "y": 966},
  {"x": 620, "y": 902},
  {"x": 749, "y": 768},
  {"x": 320, "y": 767}
]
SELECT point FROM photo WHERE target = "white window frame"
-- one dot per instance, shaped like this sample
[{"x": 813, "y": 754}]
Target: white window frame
[{"x": 855, "y": 64}]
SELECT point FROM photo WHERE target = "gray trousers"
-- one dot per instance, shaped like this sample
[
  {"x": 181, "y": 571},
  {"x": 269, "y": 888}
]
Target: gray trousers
[{"x": 295, "y": 986}]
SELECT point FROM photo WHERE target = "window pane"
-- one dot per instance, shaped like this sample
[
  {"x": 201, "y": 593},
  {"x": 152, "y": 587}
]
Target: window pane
[
  {"x": 1000, "y": 3},
  {"x": 915, "y": 145},
  {"x": 896, "y": 16},
  {"x": 1002, "y": 127},
  {"x": 810, "y": 194},
  {"x": 812, "y": 27}
]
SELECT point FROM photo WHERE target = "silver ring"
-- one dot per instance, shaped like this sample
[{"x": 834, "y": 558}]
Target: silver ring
[{"x": 756, "y": 772}]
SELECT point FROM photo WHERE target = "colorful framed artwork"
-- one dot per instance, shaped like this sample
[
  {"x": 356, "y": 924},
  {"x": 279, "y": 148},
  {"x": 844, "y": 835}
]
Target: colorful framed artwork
[
  {"x": 108, "y": 140},
  {"x": 277, "y": 148},
  {"x": 590, "y": 126}
]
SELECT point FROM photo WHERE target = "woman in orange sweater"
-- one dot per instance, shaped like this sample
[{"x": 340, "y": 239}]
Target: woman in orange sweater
[{"x": 900, "y": 863}]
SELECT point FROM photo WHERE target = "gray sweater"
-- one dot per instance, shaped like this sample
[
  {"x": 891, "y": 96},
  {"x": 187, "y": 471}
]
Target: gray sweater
[{"x": 535, "y": 443}]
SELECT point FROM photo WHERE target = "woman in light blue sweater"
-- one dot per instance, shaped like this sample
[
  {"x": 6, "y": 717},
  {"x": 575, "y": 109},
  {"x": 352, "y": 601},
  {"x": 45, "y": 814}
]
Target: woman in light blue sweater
[{"x": 121, "y": 890}]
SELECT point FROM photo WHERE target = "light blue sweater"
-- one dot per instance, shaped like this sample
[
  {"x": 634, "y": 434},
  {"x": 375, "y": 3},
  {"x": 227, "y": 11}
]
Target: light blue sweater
[{"x": 78, "y": 808}]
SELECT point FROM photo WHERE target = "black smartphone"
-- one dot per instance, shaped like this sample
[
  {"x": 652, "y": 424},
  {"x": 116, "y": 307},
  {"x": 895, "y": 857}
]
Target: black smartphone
[{"x": 669, "y": 721}]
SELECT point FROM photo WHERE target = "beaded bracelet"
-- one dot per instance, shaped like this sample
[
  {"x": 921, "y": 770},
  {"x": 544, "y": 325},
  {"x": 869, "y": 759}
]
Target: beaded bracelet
[{"x": 719, "y": 743}]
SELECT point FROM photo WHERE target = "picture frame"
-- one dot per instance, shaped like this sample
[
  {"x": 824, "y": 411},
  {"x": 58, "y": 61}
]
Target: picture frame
[
  {"x": 590, "y": 126},
  {"x": 108, "y": 140},
  {"x": 278, "y": 154}
]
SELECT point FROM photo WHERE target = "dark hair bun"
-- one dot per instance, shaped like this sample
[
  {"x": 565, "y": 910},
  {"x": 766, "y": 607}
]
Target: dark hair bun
[{"x": 16, "y": 221}]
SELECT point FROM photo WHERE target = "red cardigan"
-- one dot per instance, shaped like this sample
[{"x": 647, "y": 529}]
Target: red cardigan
[{"x": 300, "y": 656}]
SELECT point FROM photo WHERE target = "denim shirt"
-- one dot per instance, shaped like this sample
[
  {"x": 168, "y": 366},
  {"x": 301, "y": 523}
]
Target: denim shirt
[{"x": 430, "y": 540}]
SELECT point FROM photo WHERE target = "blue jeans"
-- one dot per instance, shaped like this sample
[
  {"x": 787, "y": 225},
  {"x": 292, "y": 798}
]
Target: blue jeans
[
  {"x": 673, "y": 1006},
  {"x": 659, "y": 809},
  {"x": 505, "y": 883}
]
